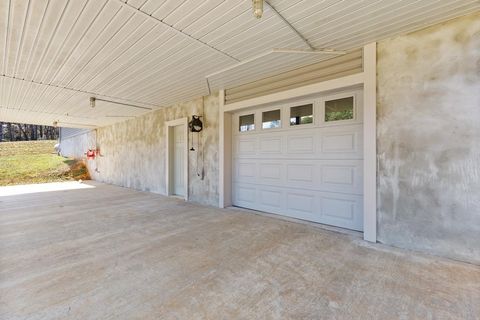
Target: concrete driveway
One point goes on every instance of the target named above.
(113, 253)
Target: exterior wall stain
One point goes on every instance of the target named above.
(428, 132)
(133, 152)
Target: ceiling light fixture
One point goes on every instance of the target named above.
(257, 8)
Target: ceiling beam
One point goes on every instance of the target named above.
(121, 103)
(98, 96)
(53, 115)
(290, 26)
(177, 31)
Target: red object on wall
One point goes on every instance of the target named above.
(90, 154)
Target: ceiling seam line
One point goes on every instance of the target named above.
(154, 82)
(76, 90)
(47, 113)
(67, 58)
(33, 48)
(291, 26)
(7, 33)
(19, 49)
(78, 41)
(88, 48)
(104, 67)
(78, 73)
(95, 41)
(405, 21)
(61, 47)
(121, 70)
(52, 36)
(22, 37)
(130, 7)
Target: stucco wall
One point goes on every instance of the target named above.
(429, 140)
(133, 153)
(428, 130)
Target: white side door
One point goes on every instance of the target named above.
(178, 161)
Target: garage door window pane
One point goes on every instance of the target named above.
(271, 119)
(247, 122)
(301, 115)
(339, 109)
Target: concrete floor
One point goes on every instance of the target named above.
(113, 253)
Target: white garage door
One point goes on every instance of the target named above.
(302, 159)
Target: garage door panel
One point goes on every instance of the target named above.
(246, 146)
(302, 175)
(333, 142)
(271, 146)
(300, 144)
(302, 203)
(338, 175)
(271, 199)
(343, 210)
(342, 143)
(337, 209)
(247, 195)
(271, 173)
(247, 171)
(343, 176)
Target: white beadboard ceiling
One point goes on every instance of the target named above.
(56, 54)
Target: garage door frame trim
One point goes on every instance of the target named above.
(367, 79)
(169, 125)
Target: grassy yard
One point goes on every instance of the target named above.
(27, 162)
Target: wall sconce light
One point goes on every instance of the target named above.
(92, 102)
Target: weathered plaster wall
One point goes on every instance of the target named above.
(429, 140)
(428, 143)
(133, 153)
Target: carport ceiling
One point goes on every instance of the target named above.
(56, 54)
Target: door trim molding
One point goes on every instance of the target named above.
(366, 79)
(169, 125)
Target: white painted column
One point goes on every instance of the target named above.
(225, 155)
(370, 143)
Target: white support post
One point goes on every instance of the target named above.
(370, 143)
(225, 154)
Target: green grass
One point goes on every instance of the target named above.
(28, 162)
(27, 148)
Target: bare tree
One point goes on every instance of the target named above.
(18, 131)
